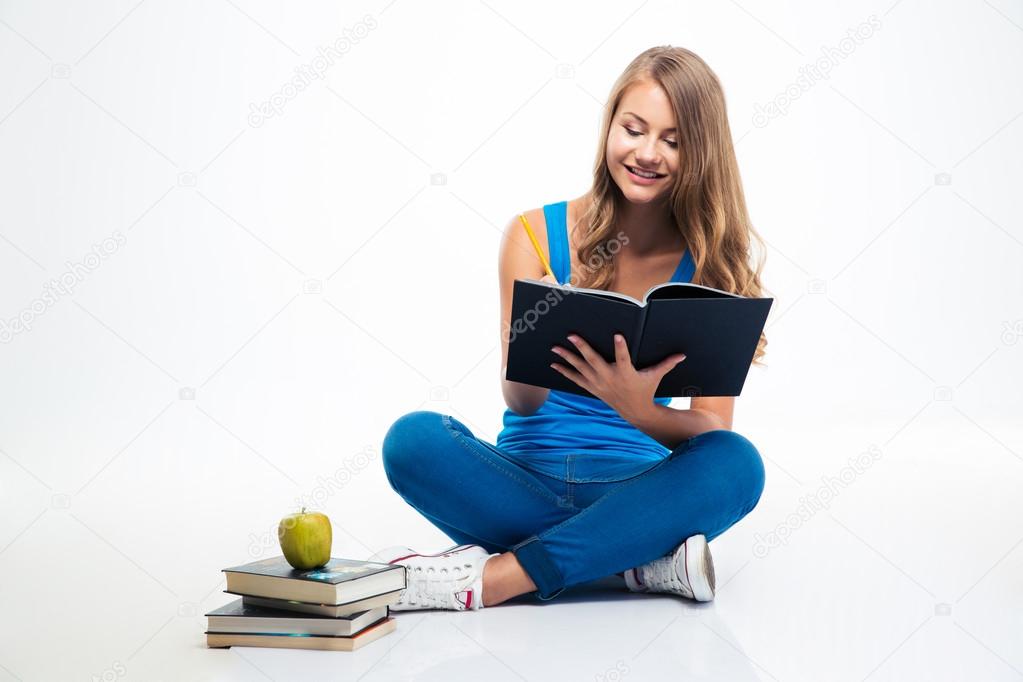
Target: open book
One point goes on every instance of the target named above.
(718, 331)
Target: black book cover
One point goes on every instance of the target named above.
(334, 571)
(392, 593)
(718, 331)
(240, 609)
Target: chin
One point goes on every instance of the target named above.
(643, 195)
(640, 194)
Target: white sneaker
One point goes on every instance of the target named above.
(688, 571)
(452, 579)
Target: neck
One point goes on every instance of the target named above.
(649, 226)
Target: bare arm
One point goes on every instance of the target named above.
(672, 427)
(723, 407)
(518, 260)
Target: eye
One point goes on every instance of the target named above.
(634, 133)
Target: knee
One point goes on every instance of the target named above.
(744, 467)
(407, 440)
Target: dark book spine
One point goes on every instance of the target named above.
(637, 335)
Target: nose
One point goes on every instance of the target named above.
(646, 153)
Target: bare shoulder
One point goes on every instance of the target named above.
(517, 252)
(537, 222)
(518, 257)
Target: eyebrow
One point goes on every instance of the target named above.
(669, 130)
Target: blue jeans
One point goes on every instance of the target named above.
(565, 533)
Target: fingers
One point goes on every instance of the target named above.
(575, 361)
(622, 352)
(668, 364)
(592, 356)
(575, 376)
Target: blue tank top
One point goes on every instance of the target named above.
(572, 437)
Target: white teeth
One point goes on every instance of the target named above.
(642, 173)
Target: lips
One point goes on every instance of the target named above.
(644, 174)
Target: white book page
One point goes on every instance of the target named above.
(626, 297)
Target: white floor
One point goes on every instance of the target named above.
(911, 572)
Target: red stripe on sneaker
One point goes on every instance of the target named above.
(446, 552)
(468, 599)
(402, 557)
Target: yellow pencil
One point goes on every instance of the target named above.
(536, 245)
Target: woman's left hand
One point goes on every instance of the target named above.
(630, 392)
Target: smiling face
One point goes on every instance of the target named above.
(642, 146)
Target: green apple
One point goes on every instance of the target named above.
(305, 539)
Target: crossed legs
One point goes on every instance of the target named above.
(476, 495)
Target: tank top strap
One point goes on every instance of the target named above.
(556, 216)
(686, 268)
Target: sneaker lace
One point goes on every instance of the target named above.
(431, 587)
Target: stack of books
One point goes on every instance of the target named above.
(340, 606)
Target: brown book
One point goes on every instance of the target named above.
(322, 642)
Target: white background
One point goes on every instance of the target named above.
(285, 291)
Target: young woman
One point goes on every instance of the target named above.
(579, 488)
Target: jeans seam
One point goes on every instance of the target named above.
(624, 484)
(569, 484)
(619, 480)
(535, 545)
(570, 495)
(460, 438)
(650, 468)
(674, 452)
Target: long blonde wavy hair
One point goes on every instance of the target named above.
(707, 201)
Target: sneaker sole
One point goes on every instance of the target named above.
(699, 567)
